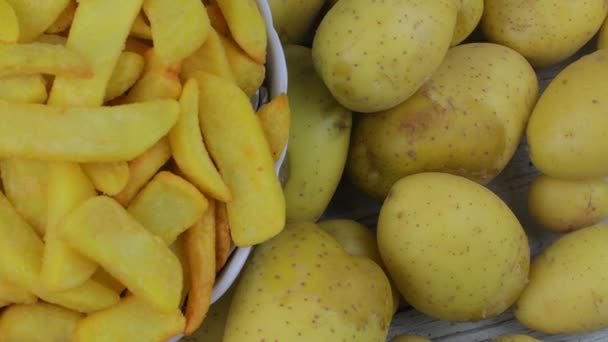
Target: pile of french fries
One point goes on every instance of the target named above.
(132, 162)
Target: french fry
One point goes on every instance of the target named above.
(25, 184)
(167, 206)
(32, 23)
(136, 45)
(217, 20)
(105, 279)
(210, 57)
(189, 151)
(38, 322)
(127, 71)
(200, 250)
(140, 28)
(143, 168)
(52, 39)
(89, 297)
(247, 26)
(246, 164)
(64, 20)
(223, 241)
(174, 42)
(275, 118)
(83, 134)
(114, 19)
(41, 58)
(9, 30)
(178, 248)
(248, 74)
(153, 63)
(109, 178)
(126, 250)
(11, 293)
(132, 319)
(153, 86)
(62, 267)
(4, 303)
(23, 89)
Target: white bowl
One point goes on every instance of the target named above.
(276, 81)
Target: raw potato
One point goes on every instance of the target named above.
(318, 139)
(293, 19)
(42, 58)
(516, 338)
(546, 32)
(287, 292)
(568, 127)
(568, 285)
(469, 16)
(482, 92)
(453, 248)
(214, 324)
(410, 338)
(9, 32)
(566, 205)
(40, 322)
(602, 39)
(356, 53)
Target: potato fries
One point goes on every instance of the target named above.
(80, 134)
(23, 89)
(200, 252)
(247, 73)
(211, 57)
(9, 31)
(109, 178)
(247, 26)
(138, 259)
(40, 322)
(42, 58)
(217, 20)
(127, 71)
(64, 20)
(274, 118)
(131, 320)
(141, 29)
(11, 293)
(33, 23)
(167, 206)
(223, 241)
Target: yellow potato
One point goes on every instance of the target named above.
(211, 57)
(113, 18)
(32, 23)
(567, 129)
(43, 58)
(247, 26)
(568, 285)
(23, 89)
(143, 168)
(246, 164)
(516, 338)
(294, 19)
(63, 22)
(83, 134)
(199, 243)
(141, 29)
(62, 267)
(602, 39)
(25, 184)
(176, 42)
(275, 118)
(109, 178)
(167, 206)
(104, 278)
(188, 147)
(127, 71)
(130, 320)
(469, 16)
(40, 322)
(9, 31)
(248, 74)
(126, 250)
(11, 293)
(223, 240)
(410, 338)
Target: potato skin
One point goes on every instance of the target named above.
(481, 92)
(544, 31)
(469, 16)
(372, 55)
(452, 247)
(564, 205)
(602, 39)
(568, 288)
(568, 127)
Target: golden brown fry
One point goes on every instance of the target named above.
(40, 322)
(138, 259)
(247, 26)
(23, 89)
(246, 164)
(217, 20)
(109, 178)
(12, 293)
(64, 20)
(25, 184)
(41, 58)
(200, 250)
(174, 42)
(143, 168)
(275, 118)
(32, 23)
(9, 30)
(141, 29)
(167, 206)
(248, 74)
(223, 241)
(154, 86)
(210, 57)
(127, 71)
(130, 320)
(189, 151)
(83, 134)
